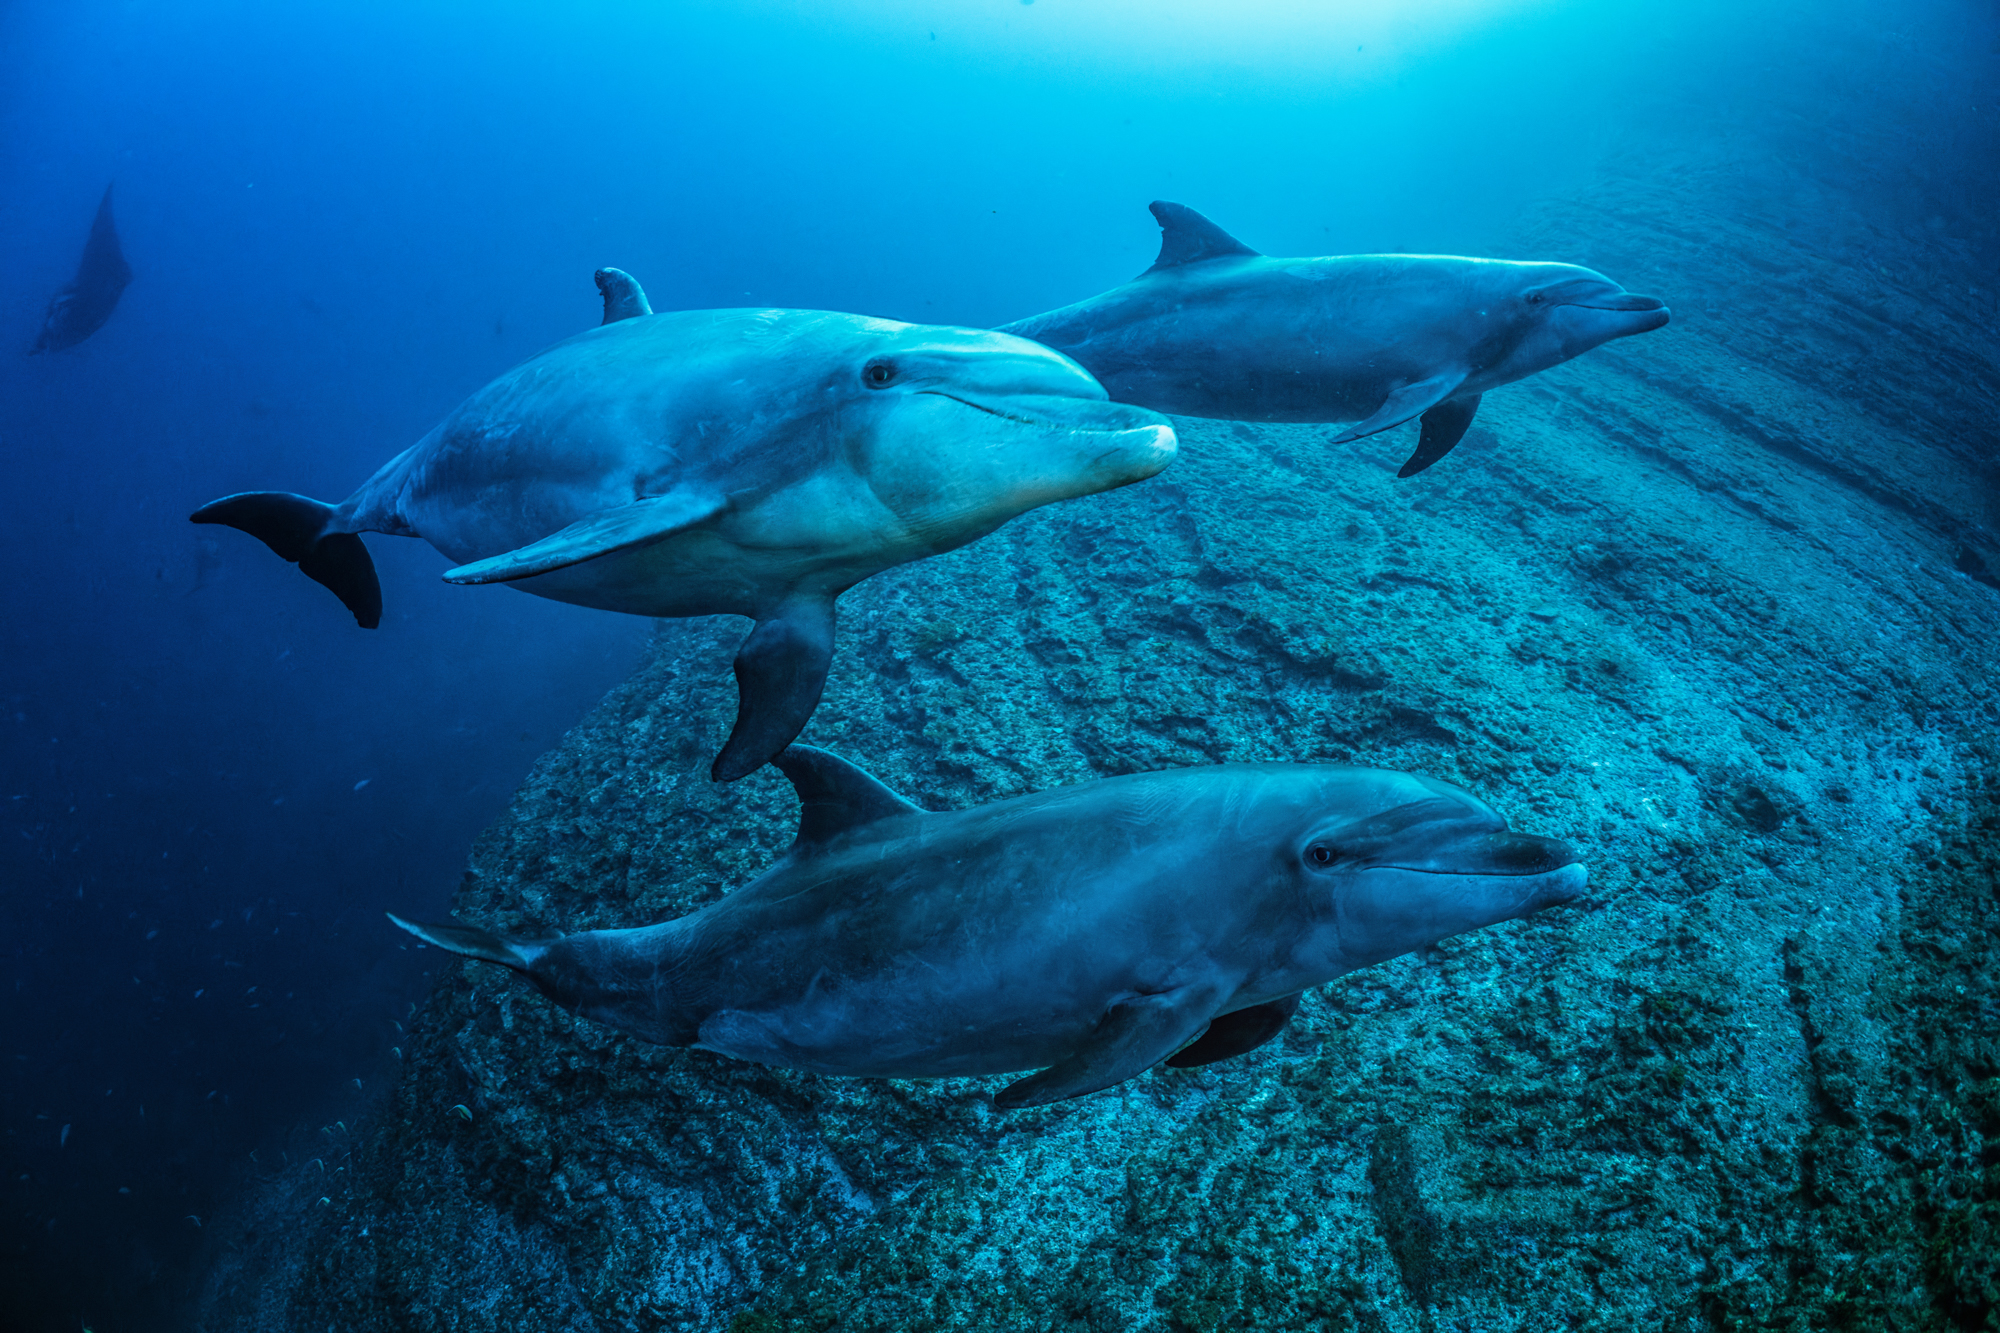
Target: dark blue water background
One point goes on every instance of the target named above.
(345, 217)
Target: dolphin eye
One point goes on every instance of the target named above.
(878, 373)
(1534, 298)
(1319, 854)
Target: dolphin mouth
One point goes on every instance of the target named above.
(1658, 317)
(1531, 890)
(1058, 412)
(1551, 888)
(982, 407)
(1503, 855)
(1627, 301)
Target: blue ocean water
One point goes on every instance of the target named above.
(343, 218)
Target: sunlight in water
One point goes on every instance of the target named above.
(1361, 40)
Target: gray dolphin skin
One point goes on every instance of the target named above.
(1089, 932)
(1214, 329)
(749, 462)
(80, 309)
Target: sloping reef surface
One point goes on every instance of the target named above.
(1720, 605)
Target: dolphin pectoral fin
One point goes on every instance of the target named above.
(640, 523)
(780, 673)
(624, 298)
(473, 942)
(1444, 427)
(835, 796)
(1237, 1034)
(1412, 400)
(295, 527)
(1132, 1038)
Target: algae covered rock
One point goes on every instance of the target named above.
(1711, 612)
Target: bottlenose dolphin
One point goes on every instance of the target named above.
(80, 309)
(1214, 329)
(750, 462)
(1091, 932)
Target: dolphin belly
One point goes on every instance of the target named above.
(1224, 349)
(944, 1045)
(1225, 390)
(970, 1004)
(708, 570)
(694, 575)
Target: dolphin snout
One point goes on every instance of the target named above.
(1647, 312)
(1532, 872)
(1655, 317)
(1504, 853)
(1560, 886)
(1620, 301)
(1058, 412)
(1549, 865)
(1521, 854)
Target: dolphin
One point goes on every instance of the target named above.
(1214, 329)
(1088, 932)
(750, 462)
(80, 309)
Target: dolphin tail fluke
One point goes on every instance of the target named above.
(473, 942)
(296, 528)
(1444, 427)
(780, 673)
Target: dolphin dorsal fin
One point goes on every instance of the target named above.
(1186, 237)
(624, 298)
(835, 795)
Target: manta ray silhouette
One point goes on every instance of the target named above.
(80, 309)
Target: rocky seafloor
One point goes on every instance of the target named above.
(1719, 605)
